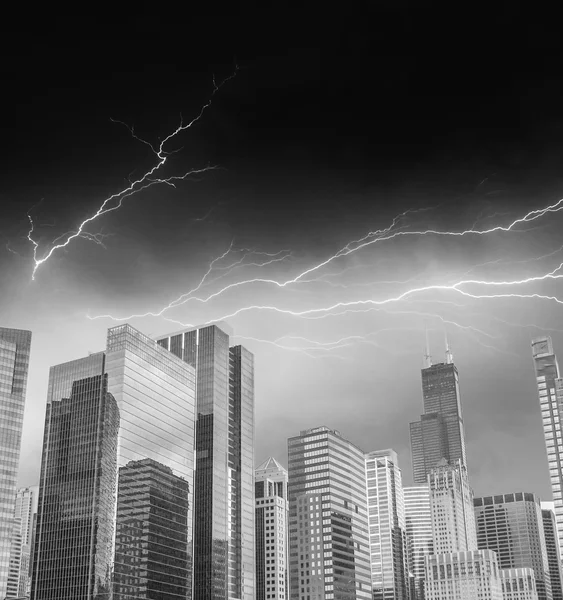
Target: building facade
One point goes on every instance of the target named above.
(224, 552)
(418, 522)
(272, 542)
(550, 392)
(518, 584)
(470, 575)
(451, 505)
(512, 526)
(440, 431)
(119, 428)
(552, 548)
(329, 554)
(15, 346)
(19, 581)
(387, 528)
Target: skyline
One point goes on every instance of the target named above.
(317, 142)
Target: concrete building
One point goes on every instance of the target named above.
(552, 547)
(328, 523)
(518, 584)
(418, 521)
(272, 542)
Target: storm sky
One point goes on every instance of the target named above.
(333, 125)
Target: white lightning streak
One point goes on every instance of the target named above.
(135, 186)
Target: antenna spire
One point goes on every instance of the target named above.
(449, 355)
(427, 357)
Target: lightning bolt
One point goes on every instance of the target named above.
(148, 179)
(373, 237)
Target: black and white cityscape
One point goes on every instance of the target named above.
(281, 302)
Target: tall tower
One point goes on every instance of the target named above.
(386, 519)
(328, 523)
(439, 433)
(550, 391)
(119, 437)
(552, 548)
(418, 520)
(451, 502)
(25, 513)
(224, 471)
(15, 345)
(457, 569)
(272, 542)
(512, 526)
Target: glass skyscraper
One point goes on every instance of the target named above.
(224, 470)
(387, 530)
(439, 433)
(512, 526)
(329, 554)
(117, 451)
(550, 391)
(272, 576)
(15, 345)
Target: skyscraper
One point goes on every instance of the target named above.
(552, 548)
(328, 524)
(418, 520)
(512, 526)
(128, 409)
(439, 433)
(550, 391)
(451, 503)
(518, 584)
(15, 345)
(457, 569)
(19, 583)
(224, 471)
(387, 533)
(272, 546)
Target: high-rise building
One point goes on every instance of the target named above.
(19, 581)
(439, 433)
(387, 529)
(224, 472)
(119, 435)
(550, 391)
(518, 584)
(151, 532)
(15, 345)
(272, 542)
(467, 575)
(418, 520)
(328, 523)
(451, 503)
(552, 548)
(457, 569)
(512, 526)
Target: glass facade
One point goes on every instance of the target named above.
(118, 444)
(271, 531)
(329, 554)
(512, 526)
(15, 345)
(418, 520)
(439, 434)
(553, 554)
(550, 392)
(224, 469)
(386, 518)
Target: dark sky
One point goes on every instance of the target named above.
(336, 121)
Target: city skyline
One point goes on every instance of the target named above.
(305, 143)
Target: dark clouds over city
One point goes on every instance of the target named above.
(333, 125)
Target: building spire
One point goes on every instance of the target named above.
(449, 355)
(427, 357)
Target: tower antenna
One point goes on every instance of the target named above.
(449, 356)
(427, 357)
